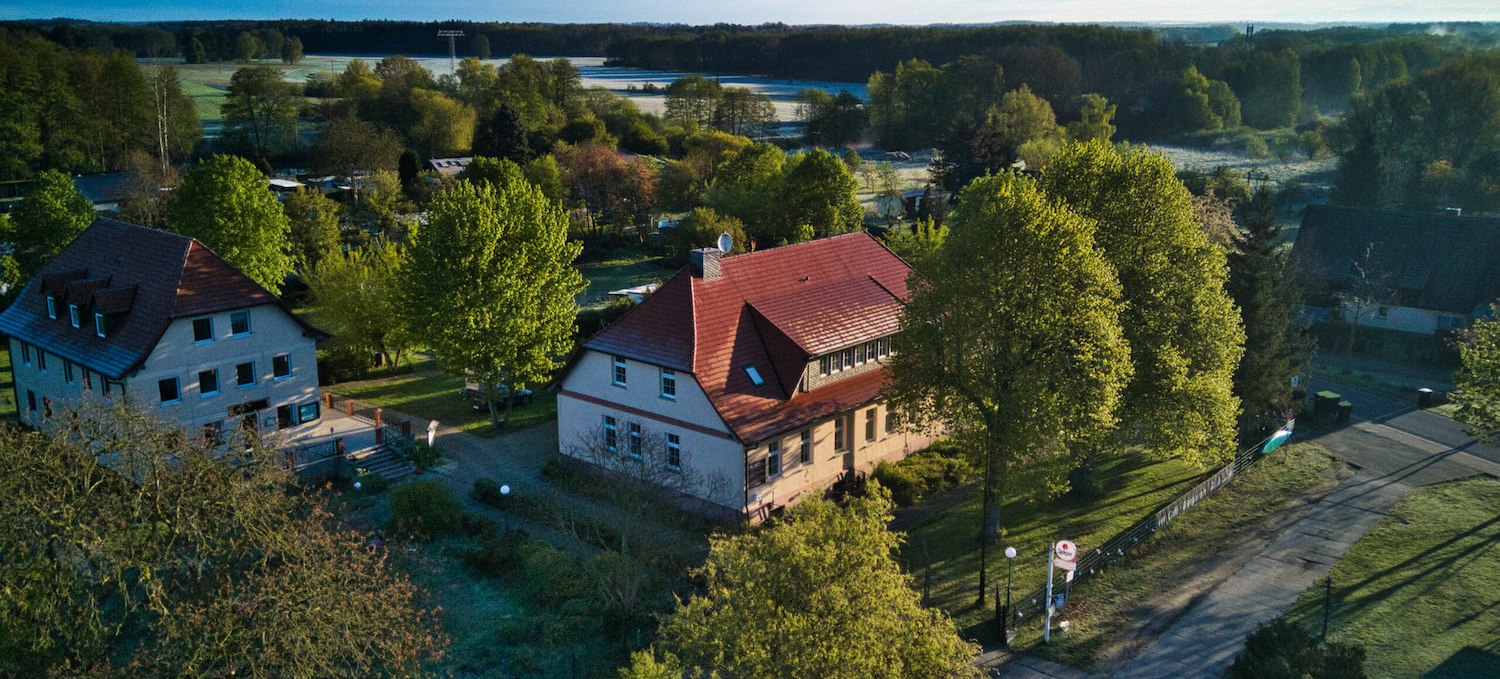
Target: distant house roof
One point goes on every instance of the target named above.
(141, 279)
(1432, 261)
(775, 310)
(449, 167)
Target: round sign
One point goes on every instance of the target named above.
(1065, 550)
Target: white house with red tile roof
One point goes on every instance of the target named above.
(161, 320)
(761, 371)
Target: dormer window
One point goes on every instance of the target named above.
(51, 307)
(203, 330)
(755, 377)
(99, 325)
(73, 315)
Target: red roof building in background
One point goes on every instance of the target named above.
(763, 370)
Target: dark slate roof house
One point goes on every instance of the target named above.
(1431, 261)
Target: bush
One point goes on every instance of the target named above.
(940, 467)
(370, 482)
(487, 491)
(495, 552)
(426, 509)
(425, 457)
(552, 573)
(556, 470)
(1282, 650)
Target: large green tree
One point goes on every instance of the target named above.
(174, 556)
(819, 594)
(1478, 378)
(1183, 328)
(226, 203)
(314, 220)
(357, 296)
(818, 198)
(490, 284)
(50, 216)
(260, 111)
(350, 145)
(1012, 339)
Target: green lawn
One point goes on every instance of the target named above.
(1130, 485)
(625, 268)
(432, 395)
(1420, 590)
(1190, 545)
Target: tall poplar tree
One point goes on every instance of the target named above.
(1264, 285)
(1012, 339)
(490, 284)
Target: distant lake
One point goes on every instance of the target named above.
(783, 93)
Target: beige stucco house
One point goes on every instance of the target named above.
(760, 373)
(162, 321)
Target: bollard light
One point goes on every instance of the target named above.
(505, 490)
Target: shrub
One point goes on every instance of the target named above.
(1282, 650)
(425, 457)
(426, 508)
(552, 573)
(486, 491)
(371, 482)
(556, 470)
(495, 552)
(940, 467)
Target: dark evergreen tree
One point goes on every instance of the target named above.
(1262, 282)
(481, 46)
(503, 136)
(1361, 174)
(407, 168)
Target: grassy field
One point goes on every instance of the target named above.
(626, 268)
(1130, 486)
(1122, 596)
(430, 394)
(1419, 591)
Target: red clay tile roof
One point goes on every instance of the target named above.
(141, 278)
(775, 309)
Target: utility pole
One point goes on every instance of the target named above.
(452, 50)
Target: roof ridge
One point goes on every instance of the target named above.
(790, 246)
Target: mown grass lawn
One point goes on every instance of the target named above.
(1421, 591)
(1130, 486)
(625, 268)
(430, 394)
(1192, 544)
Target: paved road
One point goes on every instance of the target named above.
(1396, 448)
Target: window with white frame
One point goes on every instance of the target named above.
(41, 359)
(890, 422)
(99, 328)
(669, 384)
(805, 448)
(73, 315)
(674, 453)
(619, 374)
(773, 459)
(51, 307)
(869, 425)
(634, 429)
(611, 435)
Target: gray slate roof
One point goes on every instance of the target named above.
(1434, 261)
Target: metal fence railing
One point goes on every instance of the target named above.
(1034, 603)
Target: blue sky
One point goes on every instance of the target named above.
(758, 11)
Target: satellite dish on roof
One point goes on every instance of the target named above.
(726, 242)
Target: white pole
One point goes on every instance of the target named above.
(1047, 631)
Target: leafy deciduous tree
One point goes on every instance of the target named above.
(1478, 379)
(226, 203)
(490, 285)
(260, 110)
(817, 595)
(314, 220)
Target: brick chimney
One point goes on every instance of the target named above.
(705, 262)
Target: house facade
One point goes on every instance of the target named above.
(161, 321)
(760, 374)
(1412, 272)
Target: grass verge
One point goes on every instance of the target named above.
(430, 394)
(1419, 590)
(1141, 589)
(1129, 486)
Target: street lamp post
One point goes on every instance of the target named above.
(1010, 558)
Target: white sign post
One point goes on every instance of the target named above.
(1064, 555)
(432, 427)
